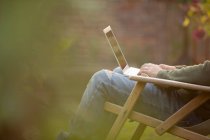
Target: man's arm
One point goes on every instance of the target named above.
(196, 74)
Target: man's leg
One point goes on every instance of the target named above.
(161, 103)
(92, 122)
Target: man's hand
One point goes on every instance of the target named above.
(167, 67)
(150, 69)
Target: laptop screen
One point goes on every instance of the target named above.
(115, 47)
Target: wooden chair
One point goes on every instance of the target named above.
(198, 132)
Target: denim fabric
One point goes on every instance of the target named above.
(92, 122)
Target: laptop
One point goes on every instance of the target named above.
(127, 70)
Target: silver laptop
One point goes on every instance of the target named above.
(129, 71)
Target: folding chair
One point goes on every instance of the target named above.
(197, 132)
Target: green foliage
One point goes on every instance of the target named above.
(32, 41)
(198, 16)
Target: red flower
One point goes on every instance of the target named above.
(195, 1)
(198, 33)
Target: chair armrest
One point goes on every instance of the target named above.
(186, 109)
(172, 83)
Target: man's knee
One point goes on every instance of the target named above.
(102, 76)
(118, 70)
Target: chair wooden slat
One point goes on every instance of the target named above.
(166, 126)
(153, 122)
(170, 83)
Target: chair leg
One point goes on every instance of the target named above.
(125, 111)
(138, 132)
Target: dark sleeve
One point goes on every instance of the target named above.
(196, 74)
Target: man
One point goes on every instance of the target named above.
(92, 122)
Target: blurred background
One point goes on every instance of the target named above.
(50, 48)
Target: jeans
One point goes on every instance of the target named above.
(92, 122)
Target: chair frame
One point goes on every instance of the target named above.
(161, 127)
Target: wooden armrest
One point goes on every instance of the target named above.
(170, 83)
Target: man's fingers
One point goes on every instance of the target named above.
(163, 66)
(144, 74)
(167, 67)
(145, 68)
(147, 65)
(145, 71)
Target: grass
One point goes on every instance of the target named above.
(149, 133)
